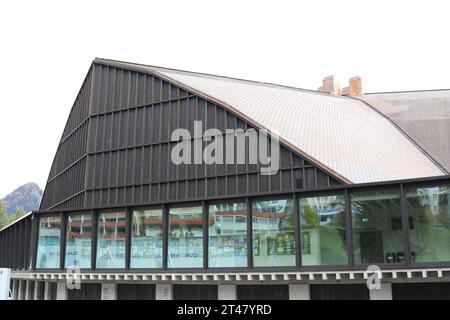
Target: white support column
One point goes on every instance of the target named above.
(384, 293)
(109, 291)
(299, 292)
(47, 289)
(36, 290)
(61, 291)
(164, 292)
(15, 289)
(20, 292)
(226, 292)
(27, 290)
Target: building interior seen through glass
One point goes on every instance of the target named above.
(48, 251)
(111, 240)
(228, 235)
(147, 239)
(323, 231)
(78, 241)
(185, 237)
(429, 223)
(273, 233)
(377, 227)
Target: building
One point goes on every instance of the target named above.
(361, 180)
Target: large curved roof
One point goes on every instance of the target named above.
(343, 134)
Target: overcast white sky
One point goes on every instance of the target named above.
(46, 48)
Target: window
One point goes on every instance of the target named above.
(185, 238)
(146, 239)
(377, 227)
(273, 243)
(323, 237)
(111, 240)
(49, 242)
(429, 223)
(228, 235)
(78, 241)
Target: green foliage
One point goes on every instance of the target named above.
(5, 219)
(311, 217)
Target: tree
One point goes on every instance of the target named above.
(4, 219)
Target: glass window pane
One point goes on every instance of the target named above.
(111, 240)
(429, 219)
(377, 227)
(48, 252)
(146, 239)
(273, 233)
(78, 241)
(323, 231)
(185, 238)
(228, 235)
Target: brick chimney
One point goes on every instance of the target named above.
(354, 87)
(330, 85)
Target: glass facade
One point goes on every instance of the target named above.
(147, 239)
(377, 227)
(323, 230)
(78, 241)
(273, 233)
(185, 237)
(376, 215)
(111, 240)
(228, 235)
(429, 223)
(49, 243)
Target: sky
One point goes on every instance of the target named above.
(46, 48)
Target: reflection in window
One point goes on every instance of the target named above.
(228, 235)
(323, 231)
(185, 238)
(111, 240)
(146, 239)
(78, 241)
(377, 227)
(429, 219)
(273, 233)
(48, 252)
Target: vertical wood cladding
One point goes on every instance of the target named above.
(16, 245)
(65, 184)
(120, 153)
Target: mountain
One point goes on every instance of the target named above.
(27, 197)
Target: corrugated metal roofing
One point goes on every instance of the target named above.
(423, 115)
(340, 133)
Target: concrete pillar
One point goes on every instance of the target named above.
(384, 293)
(227, 292)
(61, 291)
(20, 293)
(109, 291)
(15, 289)
(164, 292)
(36, 290)
(47, 290)
(27, 289)
(299, 292)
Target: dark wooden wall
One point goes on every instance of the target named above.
(116, 148)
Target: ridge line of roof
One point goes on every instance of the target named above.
(103, 60)
(407, 136)
(404, 91)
